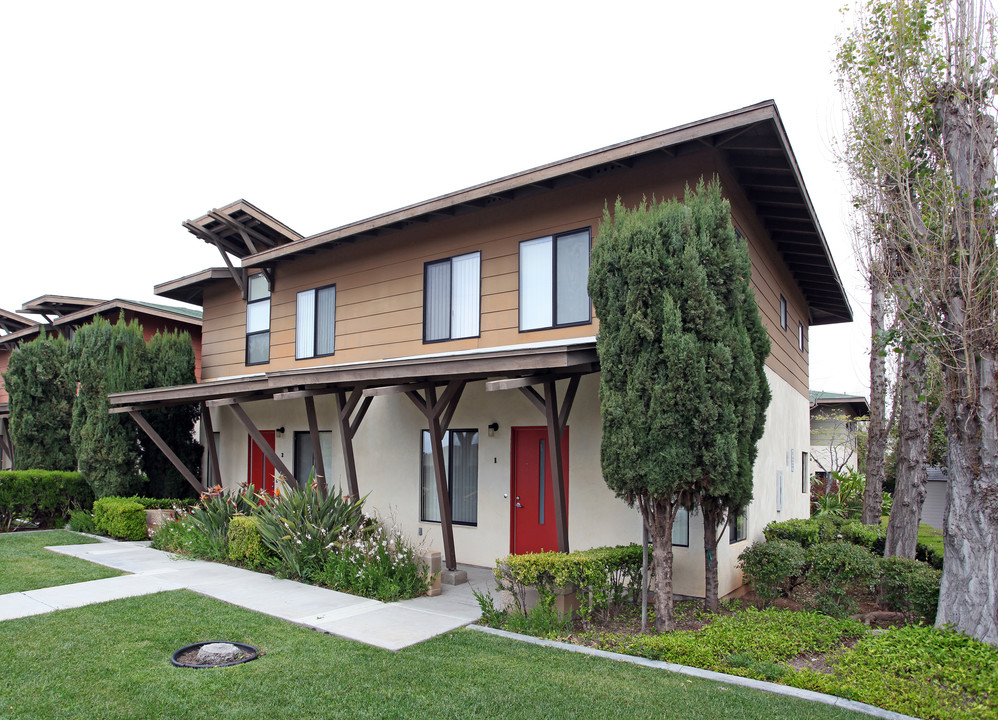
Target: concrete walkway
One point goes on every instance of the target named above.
(386, 625)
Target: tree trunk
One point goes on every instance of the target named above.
(711, 521)
(913, 448)
(876, 446)
(659, 516)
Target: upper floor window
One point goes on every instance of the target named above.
(258, 320)
(452, 290)
(783, 312)
(315, 322)
(800, 336)
(554, 274)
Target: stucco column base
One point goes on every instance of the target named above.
(453, 577)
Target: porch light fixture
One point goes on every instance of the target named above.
(493, 428)
(280, 430)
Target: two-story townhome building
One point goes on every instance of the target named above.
(440, 359)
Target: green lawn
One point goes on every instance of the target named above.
(25, 564)
(122, 648)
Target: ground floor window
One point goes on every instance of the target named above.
(461, 463)
(681, 528)
(304, 461)
(738, 528)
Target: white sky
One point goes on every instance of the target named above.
(119, 120)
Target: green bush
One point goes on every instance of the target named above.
(773, 568)
(210, 519)
(121, 518)
(40, 498)
(245, 545)
(909, 586)
(373, 561)
(833, 569)
(604, 577)
(81, 521)
(872, 537)
(804, 531)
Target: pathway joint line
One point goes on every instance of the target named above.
(775, 688)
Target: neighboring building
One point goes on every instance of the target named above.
(64, 314)
(9, 323)
(934, 505)
(457, 334)
(837, 422)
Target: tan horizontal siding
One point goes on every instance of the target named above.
(379, 282)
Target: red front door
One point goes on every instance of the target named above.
(532, 502)
(261, 471)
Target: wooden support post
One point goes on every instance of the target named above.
(263, 444)
(555, 430)
(344, 409)
(438, 413)
(170, 455)
(209, 433)
(317, 460)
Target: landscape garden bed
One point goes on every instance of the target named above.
(831, 617)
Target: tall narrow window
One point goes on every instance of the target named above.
(783, 312)
(305, 459)
(681, 528)
(452, 298)
(461, 465)
(779, 491)
(737, 528)
(554, 273)
(805, 486)
(315, 322)
(258, 320)
(800, 336)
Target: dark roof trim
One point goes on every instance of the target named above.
(58, 304)
(752, 141)
(12, 322)
(190, 288)
(578, 357)
(241, 229)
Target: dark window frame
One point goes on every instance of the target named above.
(805, 485)
(306, 435)
(687, 543)
(270, 293)
(450, 486)
(783, 312)
(738, 528)
(554, 283)
(450, 328)
(800, 336)
(315, 323)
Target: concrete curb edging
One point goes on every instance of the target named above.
(769, 687)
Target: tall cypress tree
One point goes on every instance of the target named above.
(171, 361)
(41, 391)
(669, 282)
(108, 358)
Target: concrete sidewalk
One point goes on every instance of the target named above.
(386, 625)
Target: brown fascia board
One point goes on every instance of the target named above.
(656, 141)
(254, 212)
(38, 305)
(189, 284)
(118, 304)
(15, 320)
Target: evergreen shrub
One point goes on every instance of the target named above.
(773, 568)
(909, 585)
(245, 544)
(40, 498)
(833, 569)
(120, 517)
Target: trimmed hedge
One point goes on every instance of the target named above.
(41, 497)
(909, 586)
(605, 576)
(120, 517)
(773, 568)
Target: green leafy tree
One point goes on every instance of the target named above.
(108, 358)
(41, 391)
(669, 282)
(171, 361)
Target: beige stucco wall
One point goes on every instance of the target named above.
(387, 452)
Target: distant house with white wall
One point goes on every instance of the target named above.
(397, 354)
(836, 425)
